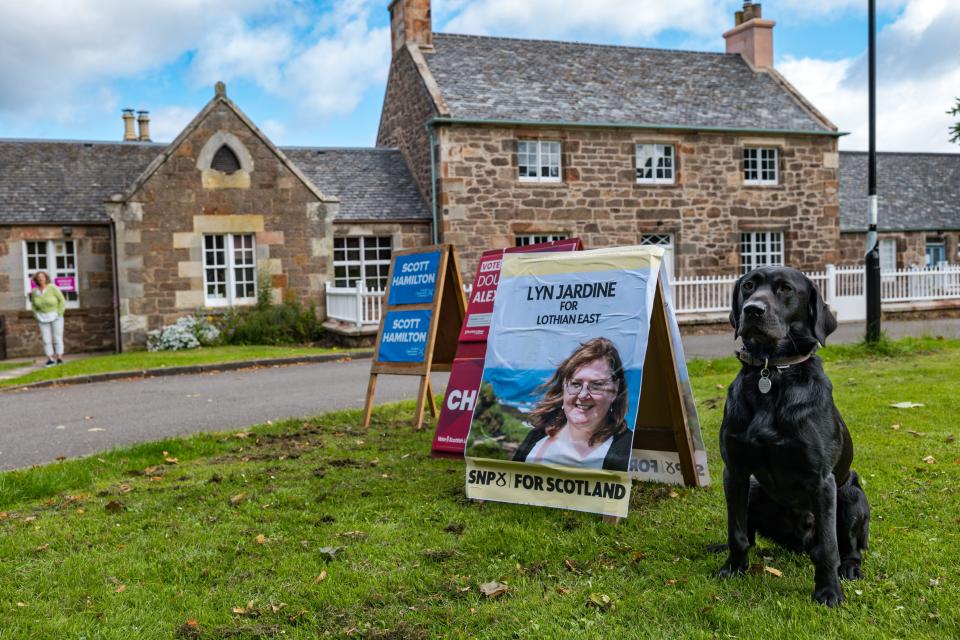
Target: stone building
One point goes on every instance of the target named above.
(140, 234)
(714, 155)
(918, 206)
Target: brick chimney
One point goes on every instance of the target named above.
(143, 123)
(410, 22)
(752, 37)
(129, 135)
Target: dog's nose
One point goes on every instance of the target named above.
(754, 309)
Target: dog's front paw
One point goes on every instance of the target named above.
(830, 595)
(734, 566)
(850, 571)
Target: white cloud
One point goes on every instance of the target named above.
(918, 79)
(835, 7)
(166, 123)
(578, 20)
(53, 52)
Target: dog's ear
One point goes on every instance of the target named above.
(822, 322)
(735, 308)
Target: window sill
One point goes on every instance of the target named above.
(656, 185)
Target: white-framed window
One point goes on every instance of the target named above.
(664, 240)
(59, 259)
(362, 258)
(229, 269)
(539, 160)
(760, 165)
(760, 249)
(537, 238)
(655, 163)
(888, 254)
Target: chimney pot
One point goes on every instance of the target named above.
(129, 135)
(410, 21)
(752, 36)
(143, 121)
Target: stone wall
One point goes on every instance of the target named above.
(160, 228)
(911, 247)
(87, 328)
(405, 235)
(484, 205)
(407, 106)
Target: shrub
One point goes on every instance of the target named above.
(188, 332)
(265, 324)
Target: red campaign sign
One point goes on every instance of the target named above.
(480, 308)
(463, 388)
(458, 404)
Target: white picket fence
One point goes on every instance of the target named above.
(843, 288)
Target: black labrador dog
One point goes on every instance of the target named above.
(786, 450)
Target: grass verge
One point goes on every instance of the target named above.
(143, 360)
(315, 528)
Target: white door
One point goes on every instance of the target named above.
(664, 240)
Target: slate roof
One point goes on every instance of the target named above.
(372, 184)
(58, 182)
(915, 191)
(489, 78)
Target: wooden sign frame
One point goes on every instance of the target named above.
(661, 415)
(448, 309)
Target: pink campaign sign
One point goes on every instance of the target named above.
(66, 284)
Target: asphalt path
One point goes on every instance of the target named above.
(40, 425)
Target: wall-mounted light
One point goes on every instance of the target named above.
(68, 231)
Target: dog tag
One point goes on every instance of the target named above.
(764, 384)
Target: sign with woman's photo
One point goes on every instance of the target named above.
(554, 421)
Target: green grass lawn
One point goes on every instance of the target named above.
(142, 360)
(6, 366)
(315, 528)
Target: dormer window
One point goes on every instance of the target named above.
(225, 160)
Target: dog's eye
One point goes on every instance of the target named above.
(748, 286)
(785, 288)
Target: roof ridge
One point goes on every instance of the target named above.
(117, 143)
(583, 44)
(905, 153)
(357, 149)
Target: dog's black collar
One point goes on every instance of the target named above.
(779, 363)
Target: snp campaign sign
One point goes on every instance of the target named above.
(553, 424)
(414, 278)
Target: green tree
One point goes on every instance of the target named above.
(955, 129)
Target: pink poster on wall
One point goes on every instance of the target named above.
(66, 283)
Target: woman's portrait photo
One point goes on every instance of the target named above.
(579, 419)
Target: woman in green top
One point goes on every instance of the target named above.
(48, 305)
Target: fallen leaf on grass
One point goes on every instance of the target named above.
(568, 563)
(674, 494)
(915, 434)
(600, 601)
(260, 539)
(670, 583)
(357, 535)
(277, 607)
(563, 590)
(950, 438)
(773, 572)
(114, 506)
(320, 578)
(930, 460)
(120, 588)
(237, 499)
(493, 589)
(905, 405)
(21, 604)
(169, 460)
(125, 488)
(42, 547)
(249, 611)
(935, 582)
(329, 553)
(895, 427)
(3, 515)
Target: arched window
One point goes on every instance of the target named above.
(225, 160)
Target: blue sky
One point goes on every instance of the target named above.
(313, 73)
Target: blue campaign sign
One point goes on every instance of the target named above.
(404, 336)
(414, 278)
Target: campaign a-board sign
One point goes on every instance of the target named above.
(420, 322)
(464, 383)
(576, 342)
